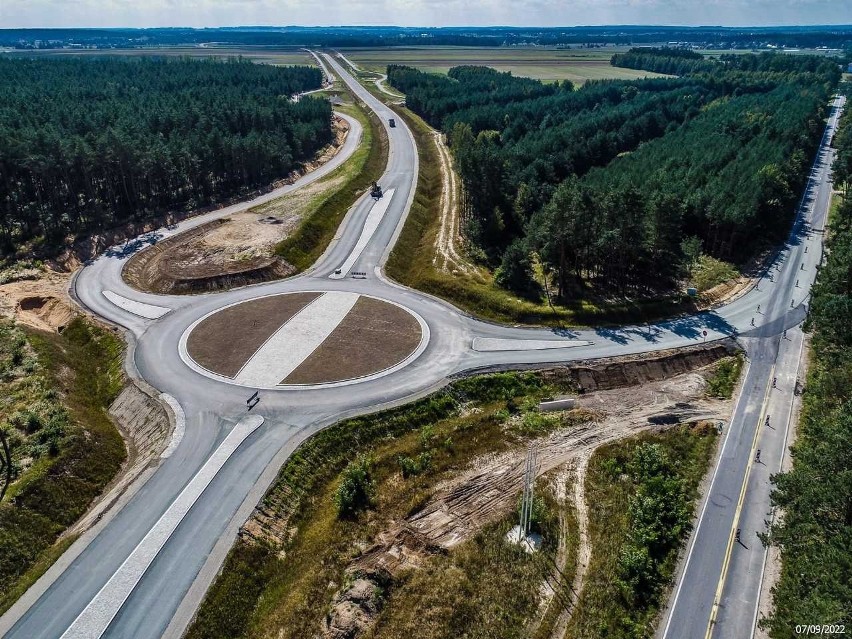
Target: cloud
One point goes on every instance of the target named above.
(201, 13)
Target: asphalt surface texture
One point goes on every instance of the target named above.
(170, 587)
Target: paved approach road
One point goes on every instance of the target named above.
(143, 570)
(718, 593)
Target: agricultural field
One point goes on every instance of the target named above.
(547, 64)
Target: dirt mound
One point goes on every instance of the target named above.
(48, 313)
(629, 370)
(182, 265)
(354, 609)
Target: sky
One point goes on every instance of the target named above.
(214, 13)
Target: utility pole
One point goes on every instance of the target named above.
(527, 498)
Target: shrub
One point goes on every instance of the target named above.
(357, 488)
(414, 466)
(725, 378)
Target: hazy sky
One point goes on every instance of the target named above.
(201, 13)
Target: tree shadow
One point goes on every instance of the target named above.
(565, 332)
(650, 333)
(793, 317)
(693, 326)
(123, 251)
(686, 326)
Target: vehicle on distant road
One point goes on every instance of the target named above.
(392, 123)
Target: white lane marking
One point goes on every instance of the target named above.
(374, 218)
(681, 578)
(180, 425)
(148, 311)
(96, 617)
(293, 343)
(496, 344)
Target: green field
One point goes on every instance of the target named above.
(548, 64)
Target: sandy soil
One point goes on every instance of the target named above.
(488, 490)
(447, 256)
(255, 232)
(236, 250)
(41, 303)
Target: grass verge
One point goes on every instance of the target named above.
(81, 370)
(486, 585)
(321, 220)
(646, 483)
(709, 272)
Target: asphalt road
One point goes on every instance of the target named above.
(166, 595)
(717, 595)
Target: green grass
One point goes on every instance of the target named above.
(605, 609)
(570, 529)
(833, 207)
(40, 566)
(543, 63)
(305, 571)
(487, 586)
(709, 272)
(724, 380)
(323, 217)
(82, 368)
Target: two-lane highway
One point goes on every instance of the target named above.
(717, 594)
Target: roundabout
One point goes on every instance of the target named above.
(309, 339)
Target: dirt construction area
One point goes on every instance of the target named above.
(304, 339)
(622, 398)
(37, 298)
(490, 487)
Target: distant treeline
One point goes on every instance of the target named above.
(683, 61)
(713, 161)
(90, 143)
(833, 36)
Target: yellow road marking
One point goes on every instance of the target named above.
(731, 537)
